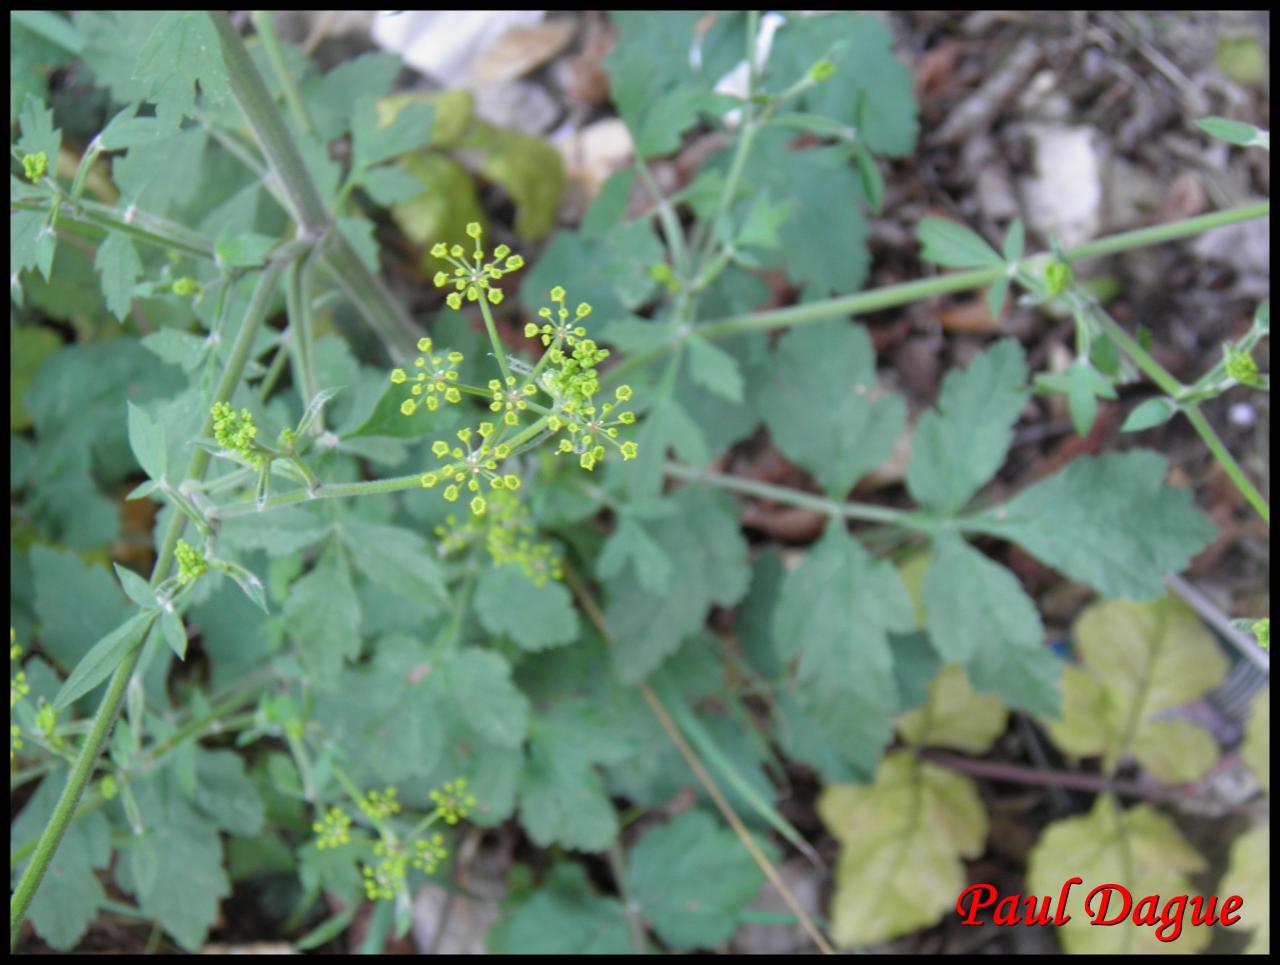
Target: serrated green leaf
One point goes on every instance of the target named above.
(331, 98)
(563, 917)
(871, 89)
(1140, 660)
(690, 878)
(181, 52)
(714, 369)
(375, 141)
(183, 349)
(835, 611)
(146, 438)
(708, 565)
(667, 426)
(1139, 848)
(388, 185)
(535, 617)
(396, 558)
(38, 132)
(977, 612)
(902, 841)
(952, 245)
(819, 406)
(960, 445)
(248, 250)
(322, 616)
(67, 631)
(629, 541)
(562, 797)
(118, 263)
(1108, 521)
(186, 847)
(478, 682)
(70, 895)
(226, 795)
(102, 659)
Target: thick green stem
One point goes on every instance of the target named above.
(105, 717)
(267, 124)
(362, 286)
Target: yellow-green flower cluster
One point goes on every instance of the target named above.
(507, 532)
(1242, 366)
(436, 378)
(469, 464)
(557, 327)
(35, 165)
(190, 562)
(428, 853)
(386, 879)
(453, 803)
(589, 428)
(236, 432)
(18, 686)
(333, 830)
(380, 805)
(185, 287)
(473, 278)
(510, 398)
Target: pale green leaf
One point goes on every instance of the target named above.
(322, 615)
(396, 558)
(818, 404)
(836, 611)
(182, 51)
(118, 263)
(960, 445)
(714, 369)
(102, 659)
(146, 438)
(977, 612)
(478, 683)
(535, 617)
(952, 245)
(708, 566)
(690, 878)
(563, 917)
(1108, 521)
(375, 141)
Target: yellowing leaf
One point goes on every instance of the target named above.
(954, 716)
(1249, 876)
(1139, 660)
(1175, 751)
(1256, 750)
(902, 840)
(1140, 849)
